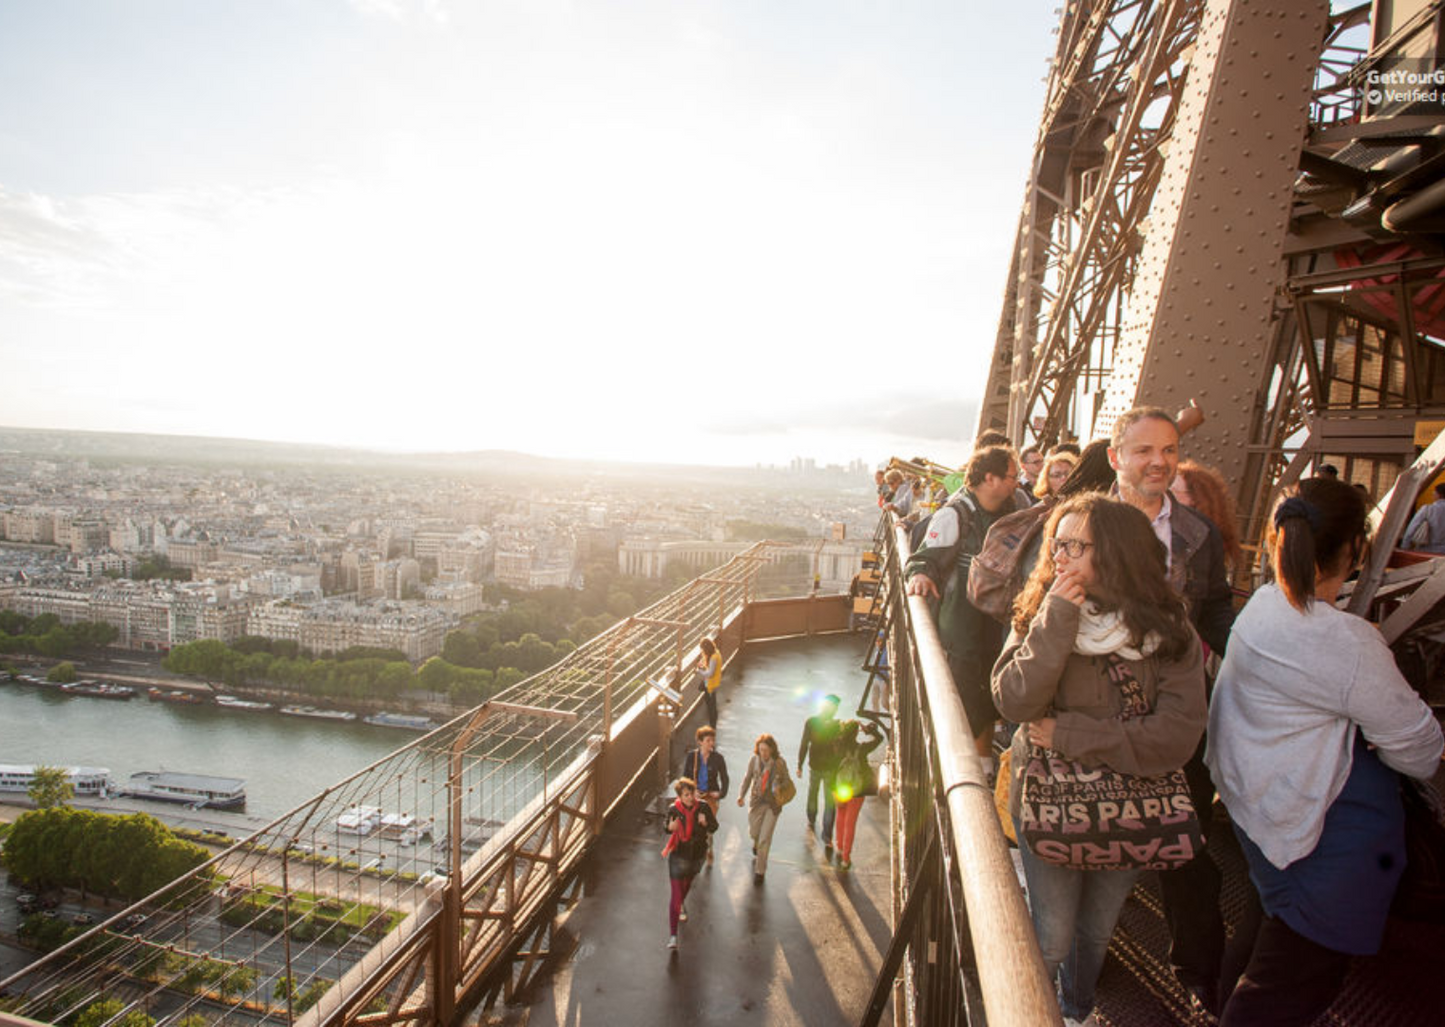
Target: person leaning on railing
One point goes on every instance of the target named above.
(938, 569)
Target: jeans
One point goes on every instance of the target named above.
(822, 779)
(1074, 913)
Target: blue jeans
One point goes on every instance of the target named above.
(1074, 913)
(823, 779)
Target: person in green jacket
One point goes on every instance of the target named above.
(938, 569)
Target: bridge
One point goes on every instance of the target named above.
(1219, 210)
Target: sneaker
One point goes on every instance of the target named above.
(672, 943)
(845, 864)
(682, 915)
(827, 850)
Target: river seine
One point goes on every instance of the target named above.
(283, 759)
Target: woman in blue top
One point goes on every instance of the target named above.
(1309, 727)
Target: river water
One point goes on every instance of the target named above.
(284, 760)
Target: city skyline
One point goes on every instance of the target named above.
(723, 235)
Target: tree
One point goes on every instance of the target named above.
(98, 1013)
(50, 786)
(125, 856)
(462, 648)
(62, 673)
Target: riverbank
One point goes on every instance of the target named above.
(439, 709)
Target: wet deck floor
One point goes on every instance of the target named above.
(802, 948)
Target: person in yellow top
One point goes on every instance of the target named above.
(709, 676)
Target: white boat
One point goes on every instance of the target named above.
(231, 702)
(92, 782)
(199, 790)
(317, 712)
(404, 827)
(360, 820)
(402, 720)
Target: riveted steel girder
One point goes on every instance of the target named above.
(1203, 301)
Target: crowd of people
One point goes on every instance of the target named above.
(1135, 693)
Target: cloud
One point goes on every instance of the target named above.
(50, 253)
(405, 10)
(942, 419)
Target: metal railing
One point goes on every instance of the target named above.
(964, 950)
(427, 882)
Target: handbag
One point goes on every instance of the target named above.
(1087, 817)
(784, 790)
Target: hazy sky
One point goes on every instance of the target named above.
(715, 232)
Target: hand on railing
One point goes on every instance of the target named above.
(922, 585)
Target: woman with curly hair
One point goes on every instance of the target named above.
(1203, 488)
(1097, 615)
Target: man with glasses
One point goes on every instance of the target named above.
(1031, 465)
(938, 569)
(1144, 452)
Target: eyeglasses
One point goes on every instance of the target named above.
(1074, 547)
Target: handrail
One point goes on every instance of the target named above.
(1014, 988)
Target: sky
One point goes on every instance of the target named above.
(696, 231)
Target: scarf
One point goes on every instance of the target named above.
(1101, 633)
(682, 831)
(765, 772)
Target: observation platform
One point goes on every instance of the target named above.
(541, 897)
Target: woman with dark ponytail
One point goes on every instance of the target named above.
(1310, 726)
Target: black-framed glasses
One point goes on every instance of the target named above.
(1073, 547)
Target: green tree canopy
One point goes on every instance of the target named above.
(62, 673)
(50, 786)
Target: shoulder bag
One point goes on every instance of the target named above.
(1094, 818)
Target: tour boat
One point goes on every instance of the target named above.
(193, 789)
(233, 703)
(402, 720)
(90, 782)
(317, 712)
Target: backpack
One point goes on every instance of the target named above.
(855, 775)
(1009, 551)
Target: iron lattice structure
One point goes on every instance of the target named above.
(427, 882)
(1224, 206)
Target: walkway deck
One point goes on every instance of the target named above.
(803, 948)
